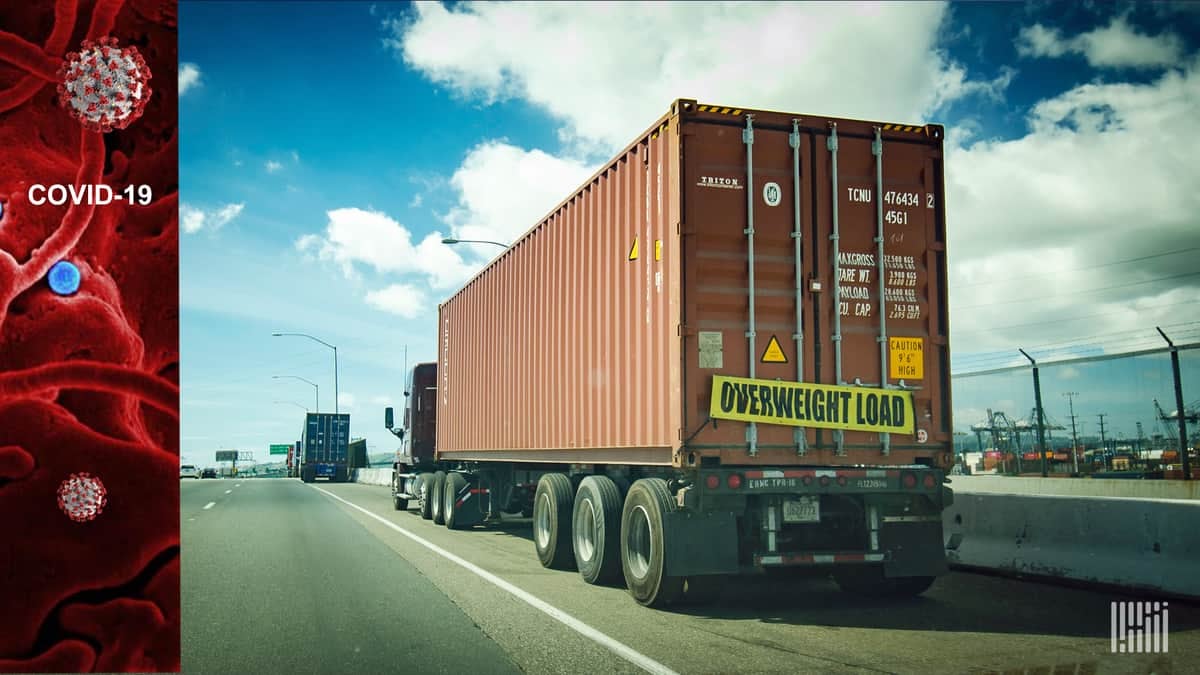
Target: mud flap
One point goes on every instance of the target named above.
(917, 549)
(700, 543)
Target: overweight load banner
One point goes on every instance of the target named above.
(811, 405)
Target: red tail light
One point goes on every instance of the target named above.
(713, 481)
(909, 480)
(734, 481)
(807, 480)
(929, 481)
(842, 481)
(824, 481)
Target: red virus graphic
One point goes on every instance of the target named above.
(89, 571)
(104, 87)
(82, 497)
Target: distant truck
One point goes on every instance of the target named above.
(726, 353)
(324, 445)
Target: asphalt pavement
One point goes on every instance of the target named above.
(279, 576)
(278, 580)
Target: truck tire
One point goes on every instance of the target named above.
(436, 507)
(643, 544)
(552, 505)
(871, 582)
(424, 503)
(306, 474)
(397, 503)
(455, 482)
(596, 530)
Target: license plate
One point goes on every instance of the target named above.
(802, 510)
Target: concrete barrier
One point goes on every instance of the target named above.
(1149, 545)
(1077, 487)
(373, 476)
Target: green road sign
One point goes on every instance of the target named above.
(280, 449)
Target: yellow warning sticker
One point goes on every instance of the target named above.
(906, 358)
(657, 249)
(774, 353)
(804, 404)
(633, 252)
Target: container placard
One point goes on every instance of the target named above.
(803, 404)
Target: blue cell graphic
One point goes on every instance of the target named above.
(64, 277)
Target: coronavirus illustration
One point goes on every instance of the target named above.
(104, 86)
(81, 497)
(89, 355)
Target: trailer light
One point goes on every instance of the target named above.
(929, 481)
(734, 481)
(807, 480)
(842, 481)
(909, 480)
(713, 481)
(824, 481)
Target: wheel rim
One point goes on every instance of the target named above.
(541, 526)
(585, 530)
(447, 499)
(638, 544)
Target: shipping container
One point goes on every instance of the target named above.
(725, 353)
(723, 242)
(325, 447)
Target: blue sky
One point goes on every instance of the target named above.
(327, 147)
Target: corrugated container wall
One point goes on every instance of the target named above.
(596, 337)
(326, 437)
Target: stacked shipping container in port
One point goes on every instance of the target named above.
(595, 337)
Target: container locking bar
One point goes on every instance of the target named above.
(832, 145)
(748, 139)
(881, 270)
(799, 436)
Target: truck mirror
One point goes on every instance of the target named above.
(388, 418)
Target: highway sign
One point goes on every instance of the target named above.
(280, 449)
(227, 455)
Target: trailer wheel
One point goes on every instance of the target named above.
(306, 474)
(643, 543)
(424, 502)
(455, 482)
(435, 498)
(870, 581)
(552, 504)
(596, 530)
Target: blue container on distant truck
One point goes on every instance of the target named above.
(325, 442)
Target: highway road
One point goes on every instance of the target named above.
(279, 576)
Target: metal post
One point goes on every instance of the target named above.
(877, 150)
(1103, 441)
(1041, 418)
(1074, 436)
(799, 435)
(832, 145)
(1179, 411)
(748, 139)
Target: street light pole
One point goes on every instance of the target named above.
(452, 240)
(291, 403)
(1041, 418)
(314, 384)
(335, 367)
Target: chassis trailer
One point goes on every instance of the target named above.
(726, 353)
(324, 447)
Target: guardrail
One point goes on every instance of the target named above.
(373, 476)
(1077, 487)
(1147, 544)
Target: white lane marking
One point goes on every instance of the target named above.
(636, 658)
(209, 505)
(237, 485)
(228, 491)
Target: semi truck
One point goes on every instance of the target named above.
(725, 353)
(324, 443)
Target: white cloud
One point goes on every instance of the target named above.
(608, 70)
(1116, 45)
(193, 219)
(345, 400)
(189, 77)
(504, 190)
(295, 157)
(1106, 173)
(272, 166)
(416, 201)
(403, 300)
(359, 237)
